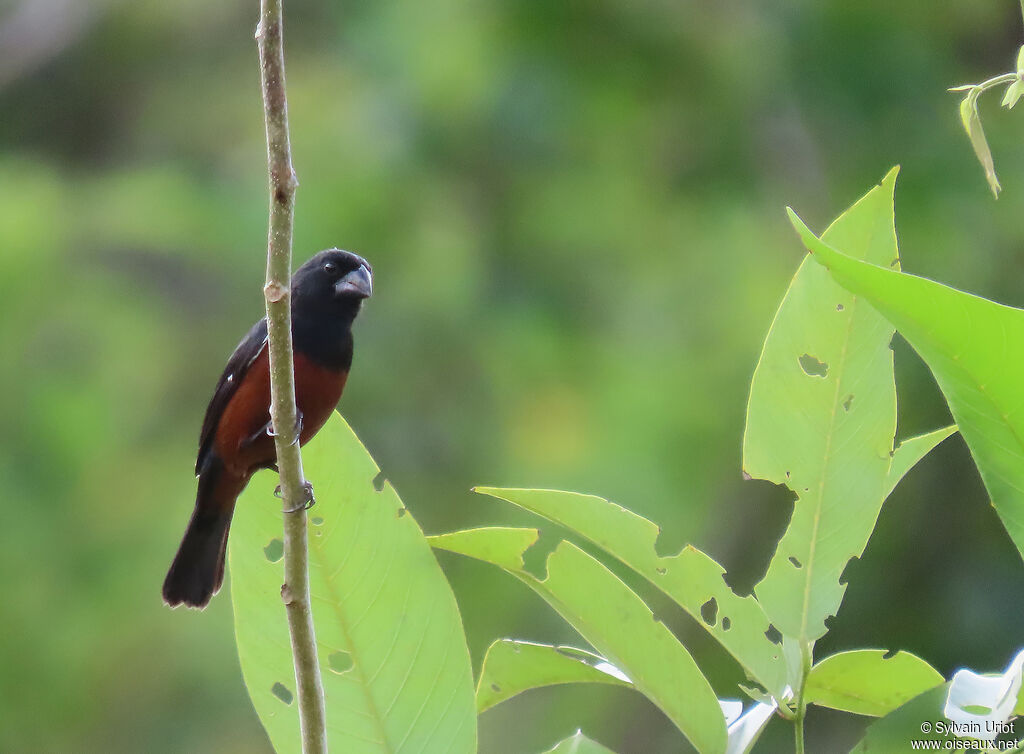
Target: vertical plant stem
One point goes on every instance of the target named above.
(806, 658)
(295, 591)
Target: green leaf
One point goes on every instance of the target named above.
(579, 744)
(919, 719)
(821, 420)
(973, 347)
(910, 451)
(395, 665)
(512, 667)
(691, 578)
(868, 682)
(971, 120)
(1013, 93)
(612, 618)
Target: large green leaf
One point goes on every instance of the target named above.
(610, 616)
(394, 660)
(973, 347)
(920, 719)
(691, 578)
(512, 667)
(821, 420)
(579, 744)
(869, 681)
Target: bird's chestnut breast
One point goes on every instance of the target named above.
(241, 440)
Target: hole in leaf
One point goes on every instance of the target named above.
(709, 611)
(339, 662)
(668, 545)
(317, 520)
(535, 557)
(660, 571)
(281, 692)
(839, 307)
(400, 512)
(726, 623)
(848, 402)
(889, 655)
(773, 634)
(812, 366)
(796, 563)
(495, 688)
(379, 481)
(274, 550)
(977, 709)
(844, 577)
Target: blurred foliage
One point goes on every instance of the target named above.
(574, 214)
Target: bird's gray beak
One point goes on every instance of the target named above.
(358, 283)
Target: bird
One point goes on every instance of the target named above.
(237, 436)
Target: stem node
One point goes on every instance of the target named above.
(274, 291)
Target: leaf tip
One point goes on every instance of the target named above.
(993, 183)
(806, 236)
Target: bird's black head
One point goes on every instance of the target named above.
(327, 292)
(332, 284)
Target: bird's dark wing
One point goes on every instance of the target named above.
(237, 367)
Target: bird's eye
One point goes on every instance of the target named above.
(330, 268)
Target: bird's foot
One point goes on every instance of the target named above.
(268, 429)
(307, 500)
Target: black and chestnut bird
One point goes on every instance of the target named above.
(237, 436)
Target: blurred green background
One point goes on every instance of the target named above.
(574, 213)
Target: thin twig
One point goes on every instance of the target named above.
(295, 591)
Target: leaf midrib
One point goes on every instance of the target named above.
(809, 568)
(360, 670)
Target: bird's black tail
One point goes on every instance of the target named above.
(198, 569)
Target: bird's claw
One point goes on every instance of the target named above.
(298, 429)
(307, 500)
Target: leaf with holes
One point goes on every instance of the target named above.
(821, 420)
(691, 578)
(610, 616)
(512, 667)
(395, 665)
(579, 744)
(973, 347)
(869, 681)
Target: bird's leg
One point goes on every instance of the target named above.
(308, 501)
(267, 430)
